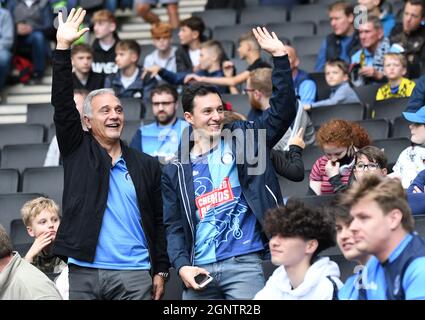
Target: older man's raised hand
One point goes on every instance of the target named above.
(69, 31)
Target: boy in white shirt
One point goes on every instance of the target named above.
(165, 54)
(298, 234)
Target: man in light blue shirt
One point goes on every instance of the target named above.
(343, 42)
(383, 227)
(162, 137)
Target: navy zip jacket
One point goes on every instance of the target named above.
(261, 191)
(86, 180)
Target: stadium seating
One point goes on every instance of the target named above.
(349, 112)
(240, 102)
(307, 44)
(232, 33)
(392, 148)
(229, 48)
(323, 28)
(24, 156)
(145, 50)
(268, 268)
(291, 30)
(130, 128)
(9, 180)
(21, 240)
(318, 201)
(261, 15)
(51, 132)
(41, 113)
(240, 65)
(10, 206)
(310, 155)
(323, 90)
(311, 12)
(420, 225)
(347, 268)
(46, 180)
(20, 133)
(377, 128)
(400, 128)
(217, 17)
(294, 189)
(308, 62)
(367, 93)
(389, 108)
(132, 108)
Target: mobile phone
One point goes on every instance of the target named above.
(203, 279)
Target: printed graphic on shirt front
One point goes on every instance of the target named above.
(226, 226)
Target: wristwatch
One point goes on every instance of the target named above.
(164, 275)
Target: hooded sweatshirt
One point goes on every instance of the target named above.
(316, 284)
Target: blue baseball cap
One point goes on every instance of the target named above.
(416, 117)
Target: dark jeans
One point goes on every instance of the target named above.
(5, 64)
(101, 284)
(39, 50)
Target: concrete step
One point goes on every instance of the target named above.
(13, 118)
(27, 89)
(29, 98)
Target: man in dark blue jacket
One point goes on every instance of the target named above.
(417, 99)
(112, 228)
(217, 190)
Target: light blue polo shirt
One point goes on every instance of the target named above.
(122, 244)
(413, 280)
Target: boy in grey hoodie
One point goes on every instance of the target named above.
(336, 73)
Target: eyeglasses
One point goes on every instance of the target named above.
(164, 103)
(370, 166)
(246, 90)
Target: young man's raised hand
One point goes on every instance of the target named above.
(68, 31)
(269, 42)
